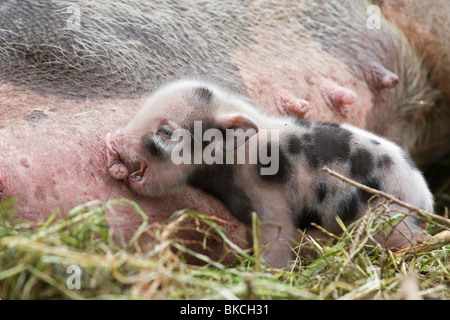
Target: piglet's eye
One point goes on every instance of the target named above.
(166, 131)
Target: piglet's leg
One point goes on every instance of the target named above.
(276, 241)
(117, 168)
(287, 103)
(402, 233)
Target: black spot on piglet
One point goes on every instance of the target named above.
(153, 148)
(304, 218)
(284, 167)
(217, 180)
(361, 163)
(330, 143)
(294, 144)
(203, 95)
(373, 183)
(321, 191)
(348, 208)
(384, 161)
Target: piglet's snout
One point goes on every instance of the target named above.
(118, 170)
(124, 156)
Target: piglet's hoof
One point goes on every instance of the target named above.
(116, 167)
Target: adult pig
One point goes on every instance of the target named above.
(72, 71)
(425, 24)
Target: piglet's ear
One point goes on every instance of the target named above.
(236, 129)
(236, 121)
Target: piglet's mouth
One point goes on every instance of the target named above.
(138, 172)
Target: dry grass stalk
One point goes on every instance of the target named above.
(388, 196)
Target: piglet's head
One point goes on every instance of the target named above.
(142, 157)
(167, 154)
(165, 143)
